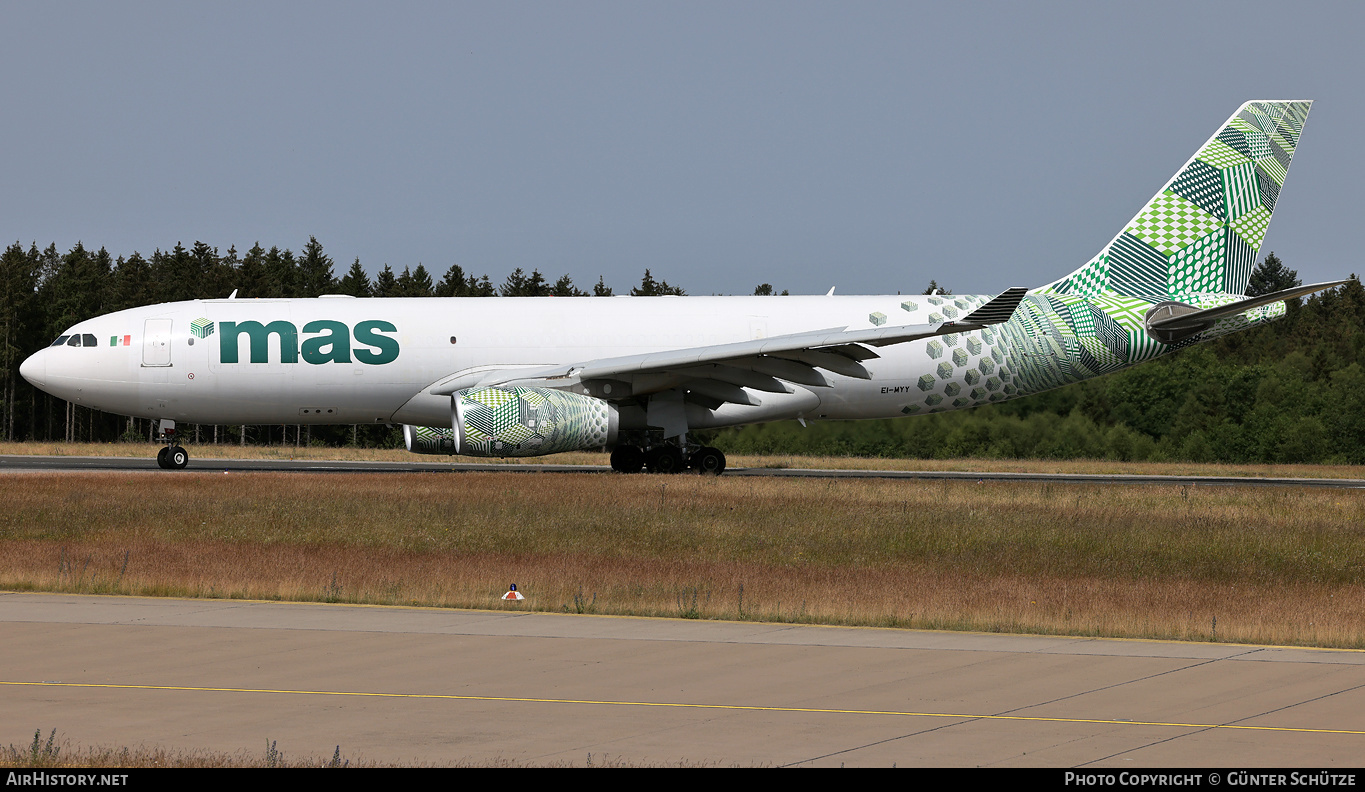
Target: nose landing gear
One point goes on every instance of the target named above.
(171, 456)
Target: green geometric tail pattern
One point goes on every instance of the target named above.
(1195, 242)
(1199, 235)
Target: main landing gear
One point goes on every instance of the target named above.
(171, 456)
(667, 458)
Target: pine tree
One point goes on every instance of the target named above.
(228, 267)
(457, 284)
(536, 285)
(481, 288)
(1270, 276)
(252, 278)
(314, 271)
(132, 283)
(77, 288)
(356, 283)
(281, 274)
(18, 278)
(174, 273)
(385, 284)
(564, 288)
(454, 284)
(651, 288)
(519, 284)
(99, 278)
(205, 271)
(421, 283)
(648, 286)
(515, 285)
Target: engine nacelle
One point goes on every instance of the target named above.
(517, 422)
(429, 439)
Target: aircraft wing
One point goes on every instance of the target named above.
(720, 372)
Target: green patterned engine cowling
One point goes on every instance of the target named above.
(516, 422)
(429, 439)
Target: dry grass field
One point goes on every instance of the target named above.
(1260, 565)
(52, 751)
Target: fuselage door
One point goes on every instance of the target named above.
(156, 342)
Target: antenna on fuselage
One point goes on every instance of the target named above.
(233, 296)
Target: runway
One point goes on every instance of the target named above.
(19, 463)
(442, 686)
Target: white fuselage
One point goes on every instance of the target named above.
(149, 362)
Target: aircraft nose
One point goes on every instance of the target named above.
(35, 368)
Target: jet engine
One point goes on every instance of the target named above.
(517, 422)
(429, 439)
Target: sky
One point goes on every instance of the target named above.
(865, 146)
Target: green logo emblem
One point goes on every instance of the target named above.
(201, 327)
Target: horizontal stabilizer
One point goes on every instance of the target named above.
(1169, 322)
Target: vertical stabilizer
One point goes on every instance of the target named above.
(1201, 234)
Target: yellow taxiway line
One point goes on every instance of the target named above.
(678, 705)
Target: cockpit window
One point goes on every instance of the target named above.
(77, 340)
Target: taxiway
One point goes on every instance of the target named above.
(442, 686)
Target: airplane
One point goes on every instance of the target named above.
(530, 376)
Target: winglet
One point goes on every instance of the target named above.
(998, 310)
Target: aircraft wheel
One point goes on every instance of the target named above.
(177, 458)
(708, 461)
(665, 460)
(627, 459)
(161, 458)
